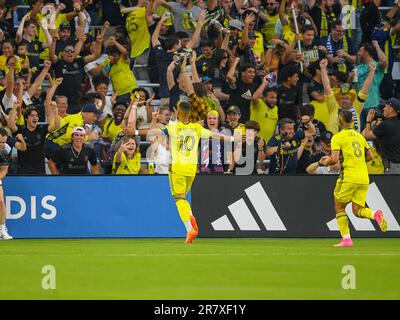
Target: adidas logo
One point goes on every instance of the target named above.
(243, 216)
(375, 200)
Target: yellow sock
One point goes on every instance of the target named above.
(343, 223)
(183, 209)
(365, 213)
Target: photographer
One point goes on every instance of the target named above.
(387, 133)
(286, 148)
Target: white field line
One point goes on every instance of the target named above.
(207, 255)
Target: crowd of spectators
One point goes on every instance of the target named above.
(79, 79)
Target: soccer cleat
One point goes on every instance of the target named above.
(347, 242)
(194, 224)
(380, 219)
(4, 234)
(191, 235)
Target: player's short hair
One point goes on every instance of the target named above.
(184, 107)
(347, 115)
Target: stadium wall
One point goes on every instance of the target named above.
(225, 206)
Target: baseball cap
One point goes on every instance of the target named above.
(79, 130)
(91, 107)
(64, 26)
(206, 79)
(326, 136)
(237, 24)
(394, 103)
(233, 109)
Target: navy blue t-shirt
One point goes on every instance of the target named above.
(285, 158)
(163, 59)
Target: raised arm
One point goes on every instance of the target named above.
(54, 83)
(282, 15)
(196, 35)
(52, 50)
(195, 75)
(245, 34)
(45, 27)
(324, 76)
(97, 52)
(186, 79)
(370, 78)
(170, 75)
(40, 78)
(259, 92)
(230, 76)
(156, 33)
(52, 117)
(382, 62)
(20, 30)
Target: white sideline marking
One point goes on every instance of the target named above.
(202, 254)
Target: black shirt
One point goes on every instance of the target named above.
(315, 86)
(73, 162)
(73, 74)
(251, 147)
(388, 134)
(288, 105)
(240, 95)
(285, 159)
(31, 161)
(164, 59)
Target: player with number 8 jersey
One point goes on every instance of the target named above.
(352, 150)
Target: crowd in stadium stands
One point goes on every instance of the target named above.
(80, 80)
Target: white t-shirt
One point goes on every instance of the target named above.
(9, 102)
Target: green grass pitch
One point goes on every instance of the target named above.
(208, 269)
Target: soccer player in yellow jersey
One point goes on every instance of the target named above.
(184, 138)
(351, 149)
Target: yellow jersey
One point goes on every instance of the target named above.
(266, 117)
(110, 129)
(288, 34)
(136, 26)
(62, 135)
(127, 165)
(352, 146)
(333, 107)
(240, 128)
(184, 141)
(268, 29)
(122, 77)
